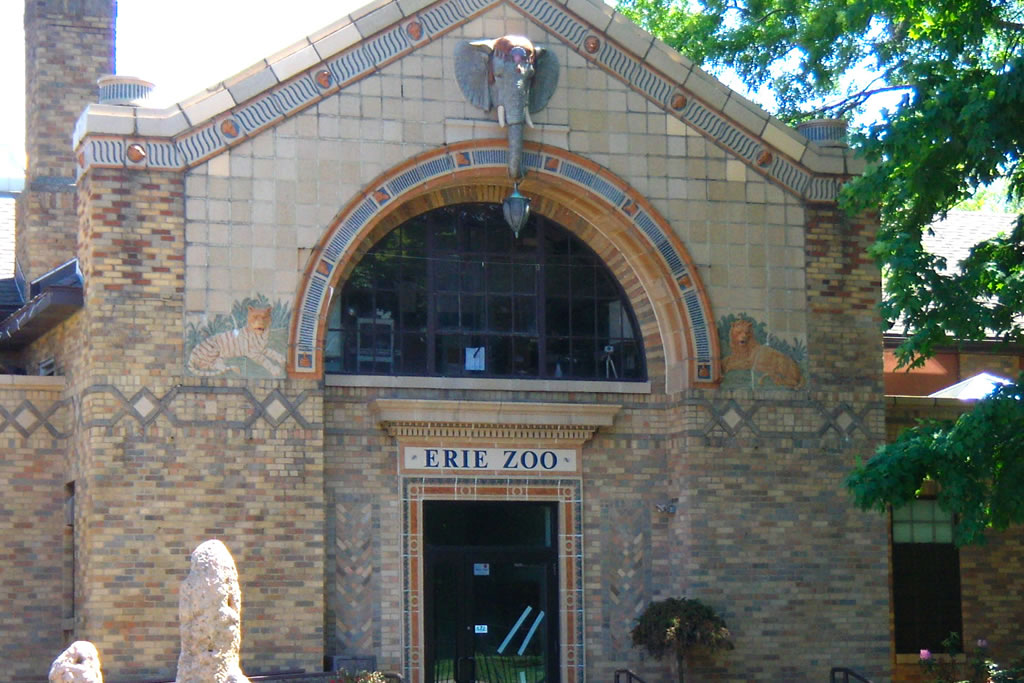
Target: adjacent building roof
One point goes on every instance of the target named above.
(955, 235)
(972, 388)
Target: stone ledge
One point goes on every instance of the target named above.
(488, 384)
(406, 411)
(52, 383)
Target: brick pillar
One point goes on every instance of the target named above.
(166, 462)
(68, 45)
(843, 290)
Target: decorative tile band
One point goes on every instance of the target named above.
(469, 158)
(337, 72)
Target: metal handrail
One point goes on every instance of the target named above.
(630, 676)
(840, 674)
(300, 675)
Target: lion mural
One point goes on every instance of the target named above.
(764, 362)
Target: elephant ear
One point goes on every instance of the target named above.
(545, 78)
(472, 71)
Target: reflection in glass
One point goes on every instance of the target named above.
(455, 279)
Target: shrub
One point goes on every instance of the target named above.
(680, 627)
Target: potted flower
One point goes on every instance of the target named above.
(680, 627)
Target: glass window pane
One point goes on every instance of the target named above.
(446, 275)
(525, 314)
(527, 357)
(558, 363)
(902, 513)
(474, 313)
(413, 305)
(923, 510)
(525, 278)
(583, 317)
(584, 358)
(582, 281)
(557, 280)
(457, 271)
(473, 276)
(501, 355)
(448, 355)
(500, 314)
(922, 532)
(412, 354)
(499, 277)
(557, 318)
(944, 533)
(901, 533)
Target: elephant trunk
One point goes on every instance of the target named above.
(515, 151)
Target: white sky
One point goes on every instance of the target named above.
(182, 46)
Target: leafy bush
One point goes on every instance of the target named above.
(680, 627)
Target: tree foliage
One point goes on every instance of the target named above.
(958, 127)
(680, 627)
(956, 68)
(976, 459)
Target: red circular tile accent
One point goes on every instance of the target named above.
(136, 153)
(414, 30)
(229, 128)
(592, 44)
(678, 101)
(323, 78)
(764, 158)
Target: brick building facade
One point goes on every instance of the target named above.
(198, 397)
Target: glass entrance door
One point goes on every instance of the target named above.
(492, 608)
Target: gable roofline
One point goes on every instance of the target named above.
(355, 47)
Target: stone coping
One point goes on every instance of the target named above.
(331, 59)
(488, 384)
(46, 383)
(591, 415)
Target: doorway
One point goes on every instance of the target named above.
(491, 592)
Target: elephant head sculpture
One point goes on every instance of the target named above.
(513, 75)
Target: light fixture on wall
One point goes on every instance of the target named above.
(668, 508)
(516, 208)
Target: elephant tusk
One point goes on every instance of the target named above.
(501, 115)
(529, 121)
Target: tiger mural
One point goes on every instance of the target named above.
(208, 357)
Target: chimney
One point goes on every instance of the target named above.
(69, 44)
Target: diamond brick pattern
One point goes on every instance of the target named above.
(355, 578)
(625, 569)
(145, 407)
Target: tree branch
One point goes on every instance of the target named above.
(846, 104)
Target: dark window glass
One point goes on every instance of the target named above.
(453, 293)
(926, 577)
(486, 523)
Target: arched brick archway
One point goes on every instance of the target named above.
(635, 242)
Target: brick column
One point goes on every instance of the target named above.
(68, 45)
(166, 462)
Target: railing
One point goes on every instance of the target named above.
(302, 675)
(840, 674)
(320, 677)
(627, 676)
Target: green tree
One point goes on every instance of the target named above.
(957, 68)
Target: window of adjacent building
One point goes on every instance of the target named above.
(453, 293)
(926, 577)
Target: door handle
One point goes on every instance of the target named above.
(460, 676)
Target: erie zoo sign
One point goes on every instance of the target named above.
(511, 461)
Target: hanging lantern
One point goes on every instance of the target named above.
(516, 208)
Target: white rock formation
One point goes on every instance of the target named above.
(80, 663)
(210, 618)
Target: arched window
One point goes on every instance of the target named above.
(451, 293)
